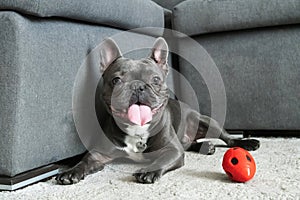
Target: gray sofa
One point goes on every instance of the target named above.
(42, 45)
(255, 45)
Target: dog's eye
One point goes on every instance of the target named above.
(156, 80)
(116, 81)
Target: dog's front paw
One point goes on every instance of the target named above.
(248, 144)
(145, 176)
(71, 176)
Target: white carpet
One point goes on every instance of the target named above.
(202, 177)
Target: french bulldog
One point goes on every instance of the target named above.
(141, 120)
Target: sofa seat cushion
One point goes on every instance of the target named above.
(194, 17)
(127, 14)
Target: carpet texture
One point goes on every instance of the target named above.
(202, 177)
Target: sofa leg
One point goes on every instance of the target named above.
(28, 178)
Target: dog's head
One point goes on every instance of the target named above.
(134, 91)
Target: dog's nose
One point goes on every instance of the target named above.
(139, 94)
(141, 88)
(138, 86)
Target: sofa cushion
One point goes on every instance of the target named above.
(194, 17)
(127, 14)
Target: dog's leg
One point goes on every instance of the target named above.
(202, 124)
(165, 153)
(152, 173)
(91, 162)
(206, 148)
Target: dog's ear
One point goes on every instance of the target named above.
(159, 54)
(109, 52)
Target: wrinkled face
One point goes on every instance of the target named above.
(135, 91)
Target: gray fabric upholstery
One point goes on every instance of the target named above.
(39, 59)
(260, 70)
(127, 14)
(194, 17)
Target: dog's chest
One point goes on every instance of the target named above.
(136, 141)
(141, 131)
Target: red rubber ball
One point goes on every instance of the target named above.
(239, 164)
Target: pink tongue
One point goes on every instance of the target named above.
(139, 115)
